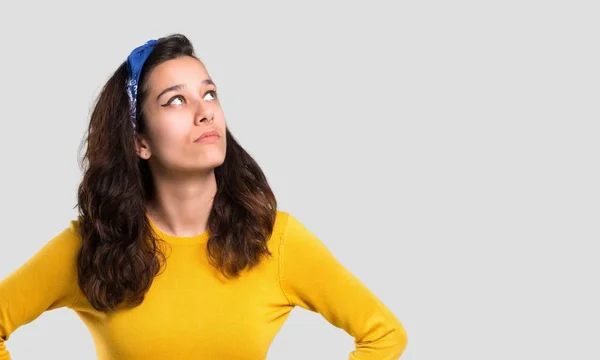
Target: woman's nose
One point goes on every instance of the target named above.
(203, 116)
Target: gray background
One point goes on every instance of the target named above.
(445, 151)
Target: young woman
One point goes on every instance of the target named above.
(179, 251)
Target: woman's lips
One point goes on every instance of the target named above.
(210, 136)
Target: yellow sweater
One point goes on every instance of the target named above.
(193, 312)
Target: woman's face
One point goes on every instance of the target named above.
(181, 111)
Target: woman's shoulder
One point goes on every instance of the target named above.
(289, 229)
(71, 234)
(283, 220)
(64, 244)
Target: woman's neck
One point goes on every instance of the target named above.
(181, 207)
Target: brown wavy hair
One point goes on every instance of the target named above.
(120, 256)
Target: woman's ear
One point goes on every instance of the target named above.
(142, 147)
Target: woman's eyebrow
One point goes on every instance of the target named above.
(181, 86)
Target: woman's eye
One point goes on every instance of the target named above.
(174, 99)
(177, 100)
(212, 93)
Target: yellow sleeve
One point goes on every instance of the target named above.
(312, 278)
(48, 280)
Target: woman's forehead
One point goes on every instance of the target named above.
(183, 70)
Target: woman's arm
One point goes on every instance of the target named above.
(312, 278)
(47, 281)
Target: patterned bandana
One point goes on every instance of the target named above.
(135, 62)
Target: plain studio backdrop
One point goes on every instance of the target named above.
(445, 151)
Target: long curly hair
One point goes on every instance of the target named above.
(120, 254)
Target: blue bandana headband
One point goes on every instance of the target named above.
(135, 62)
